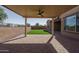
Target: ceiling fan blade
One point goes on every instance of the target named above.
(42, 12)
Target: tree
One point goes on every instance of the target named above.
(37, 24)
(3, 15)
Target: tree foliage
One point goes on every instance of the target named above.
(3, 15)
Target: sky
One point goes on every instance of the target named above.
(33, 21)
(13, 17)
(17, 19)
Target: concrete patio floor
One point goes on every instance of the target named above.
(34, 43)
(29, 44)
(71, 44)
(30, 39)
(41, 44)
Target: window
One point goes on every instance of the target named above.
(77, 25)
(71, 23)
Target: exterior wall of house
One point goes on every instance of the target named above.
(67, 33)
(57, 26)
(49, 26)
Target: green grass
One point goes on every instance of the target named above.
(38, 32)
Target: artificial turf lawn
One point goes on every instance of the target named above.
(38, 32)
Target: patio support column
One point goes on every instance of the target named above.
(62, 25)
(52, 26)
(25, 27)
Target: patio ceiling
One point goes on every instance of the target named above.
(30, 11)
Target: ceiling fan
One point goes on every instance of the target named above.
(40, 13)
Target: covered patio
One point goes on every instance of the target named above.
(40, 43)
(31, 11)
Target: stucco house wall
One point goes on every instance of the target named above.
(69, 34)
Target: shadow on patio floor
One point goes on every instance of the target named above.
(71, 44)
(26, 48)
